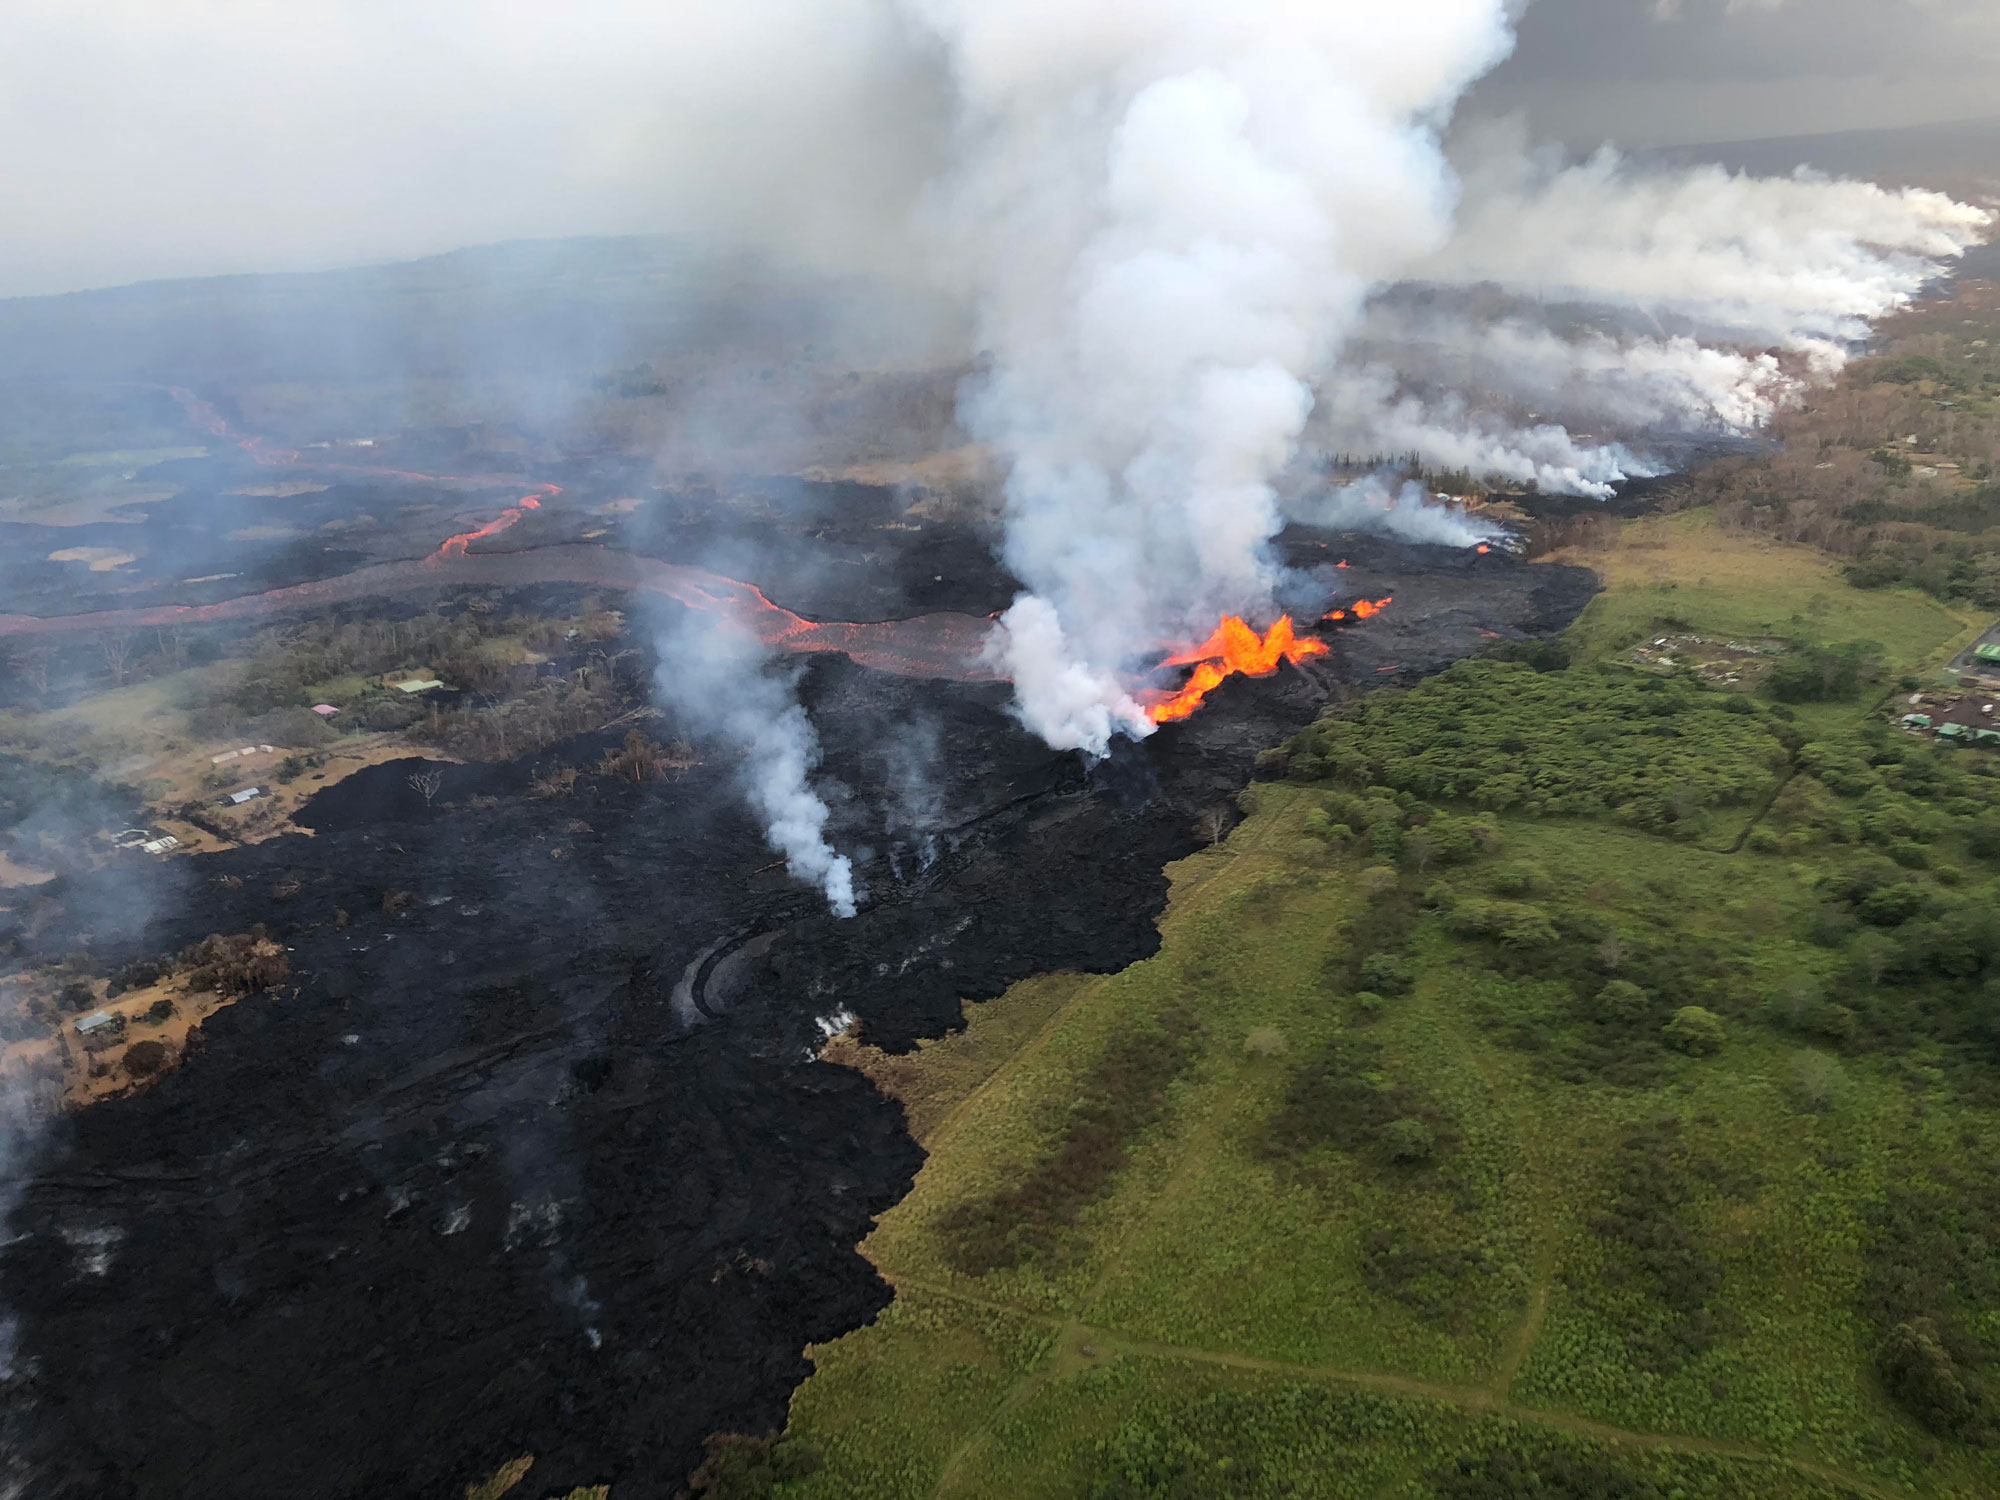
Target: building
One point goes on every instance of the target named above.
(98, 1023)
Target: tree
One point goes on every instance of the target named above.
(1920, 1373)
(1696, 1031)
(426, 783)
(32, 663)
(1409, 1141)
(1621, 1000)
(1213, 824)
(1817, 1078)
(116, 647)
(1419, 850)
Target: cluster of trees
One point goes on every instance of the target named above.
(1653, 752)
(472, 648)
(1814, 673)
(1932, 1280)
(240, 964)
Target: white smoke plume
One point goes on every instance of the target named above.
(1675, 382)
(1402, 509)
(720, 682)
(1801, 261)
(1174, 215)
(1363, 407)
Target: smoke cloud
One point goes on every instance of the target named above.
(719, 681)
(1176, 219)
(1405, 509)
(1802, 262)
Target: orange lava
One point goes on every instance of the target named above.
(1360, 609)
(456, 546)
(1233, 648)
(1482, 547)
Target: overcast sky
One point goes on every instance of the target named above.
(1670, 72)
(148, 138)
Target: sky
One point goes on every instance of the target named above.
(152, 138)
(1674, 72)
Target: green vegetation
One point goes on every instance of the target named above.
(1570, 1080)
(1893, 468)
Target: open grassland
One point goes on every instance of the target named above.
(1686, 569)
(1493, 1121)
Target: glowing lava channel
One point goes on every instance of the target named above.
(456, 546)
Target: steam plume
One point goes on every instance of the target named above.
(719, 681)
(1174, 214)
(1175, 217)
(1379, 503)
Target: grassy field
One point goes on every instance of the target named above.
(1686, 567)
(1372, 1183)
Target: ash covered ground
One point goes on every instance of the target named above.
(532, 1156)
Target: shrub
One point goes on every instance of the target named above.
(1695, 1031)
(1387, 974)
(1621, 1001)
(1519, 880)
(144, 1059)
(1409, 1141)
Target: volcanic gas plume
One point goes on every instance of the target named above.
(1177, 219)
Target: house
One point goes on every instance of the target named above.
(325, 710)
(1987, 651)
(161, 845)
(1916, 721)
(237, 799)
(420, 685)
(97, 1024)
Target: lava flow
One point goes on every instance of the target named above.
(456, 546)
(1233, 648)
(1360, 609)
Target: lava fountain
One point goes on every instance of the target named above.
(1234, 648)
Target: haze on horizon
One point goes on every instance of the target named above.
(232, 136)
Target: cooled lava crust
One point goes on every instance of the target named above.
(469, 1191)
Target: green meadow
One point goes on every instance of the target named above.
(1567, 1081)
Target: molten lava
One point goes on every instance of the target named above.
(456, 546)
(1360, 609)
(1233, 648)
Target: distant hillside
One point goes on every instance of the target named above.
(556, 305)
(1961, 157)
